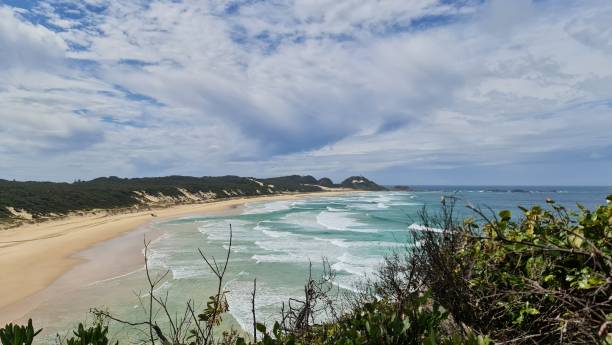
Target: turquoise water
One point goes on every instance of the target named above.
(275, 242)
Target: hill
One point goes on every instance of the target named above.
(361, 183)
(39, 200)
(326, 182)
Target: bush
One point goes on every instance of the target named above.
(95, 335)
(18, 335)
(380, 322)
(542, 278)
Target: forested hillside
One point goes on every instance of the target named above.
(41, 199)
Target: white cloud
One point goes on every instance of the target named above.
(204, 87)
(26, 45)
(593, 29)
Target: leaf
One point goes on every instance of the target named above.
(406, 325)
(261, 327)
(575, 240)
(505, 215)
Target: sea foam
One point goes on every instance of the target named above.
(339, 221)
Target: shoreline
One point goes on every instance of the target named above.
(35, 256)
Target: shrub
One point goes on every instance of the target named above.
(541, 278)
(380, 322)
(18, 335)
(95, 335)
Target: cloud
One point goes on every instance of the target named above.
(592, 29)
(326, 87)
(25, 44)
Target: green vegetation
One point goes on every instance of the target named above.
(18, 335)
(547, 276)
(42, 199)
(95, 335)
(325, 182)
(380, 322)
(541, 278)
(360, 182)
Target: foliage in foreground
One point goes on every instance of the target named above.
(18, 335)
(543, 278)
(380, 322)
(95, 335)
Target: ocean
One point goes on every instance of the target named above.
(277, 241)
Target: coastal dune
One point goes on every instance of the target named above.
(33, 256)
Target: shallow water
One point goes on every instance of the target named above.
(276, 241)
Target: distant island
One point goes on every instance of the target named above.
(31, 201)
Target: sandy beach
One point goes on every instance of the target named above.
(34, 256)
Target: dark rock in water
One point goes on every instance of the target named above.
(361, 183)
(401, 188)
(326, 182)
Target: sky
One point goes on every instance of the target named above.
(404, 92)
